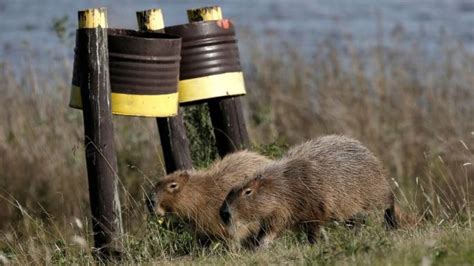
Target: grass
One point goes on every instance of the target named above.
(413, 109)
(443, 244)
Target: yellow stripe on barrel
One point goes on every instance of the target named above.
(75, 101)
(213, 86)
(161, 105)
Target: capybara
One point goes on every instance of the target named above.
(195, 196)
(329, 178)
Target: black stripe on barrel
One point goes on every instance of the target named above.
(145, 63)
(208, 48)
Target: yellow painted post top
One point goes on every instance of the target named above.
(93, 18)
(150, 20)
(205, 14)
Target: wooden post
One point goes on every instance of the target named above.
(229, 124)
(173, 138)
(226, 113)
(98, 130)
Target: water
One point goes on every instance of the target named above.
(26, 34)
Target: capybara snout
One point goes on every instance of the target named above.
(150, 202)
(224, 213)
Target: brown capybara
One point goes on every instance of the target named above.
(325, 179)
(195, 196)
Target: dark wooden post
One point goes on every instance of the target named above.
(226, 113)
(229, 124)
(98, 130)
(173, 138)
(175, 143)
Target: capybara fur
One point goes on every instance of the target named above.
(195, 196)
(325, 179)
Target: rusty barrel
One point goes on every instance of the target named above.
(210, 64)
(144, 71)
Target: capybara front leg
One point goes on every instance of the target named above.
(312, 231)
(267, 240)
(204, 240)
(268, 234)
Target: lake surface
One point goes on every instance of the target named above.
(26, 34)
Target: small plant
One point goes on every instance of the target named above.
(63, 29)
(200, 134)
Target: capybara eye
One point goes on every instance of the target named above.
(248, 191)
(173, 185)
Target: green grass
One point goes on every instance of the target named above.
(447, 243)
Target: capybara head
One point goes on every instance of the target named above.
(167, 193)
(246, 207)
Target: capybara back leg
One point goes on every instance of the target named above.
(389, 215)
(356, 221)
(312, 231)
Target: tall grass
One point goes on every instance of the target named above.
(413, 109)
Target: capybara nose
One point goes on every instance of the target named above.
(225, 213)
(150, 202)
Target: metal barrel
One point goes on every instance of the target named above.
(210, 63)
(226, 112)
(144, 70)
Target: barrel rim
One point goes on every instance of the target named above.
(137, 34)
(199, 23)
(142, 35)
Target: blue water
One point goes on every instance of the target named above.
(26, 33)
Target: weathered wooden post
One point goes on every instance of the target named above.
(92, 49)
(173, 138)
(211, 72)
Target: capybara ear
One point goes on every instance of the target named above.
(184, 175)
